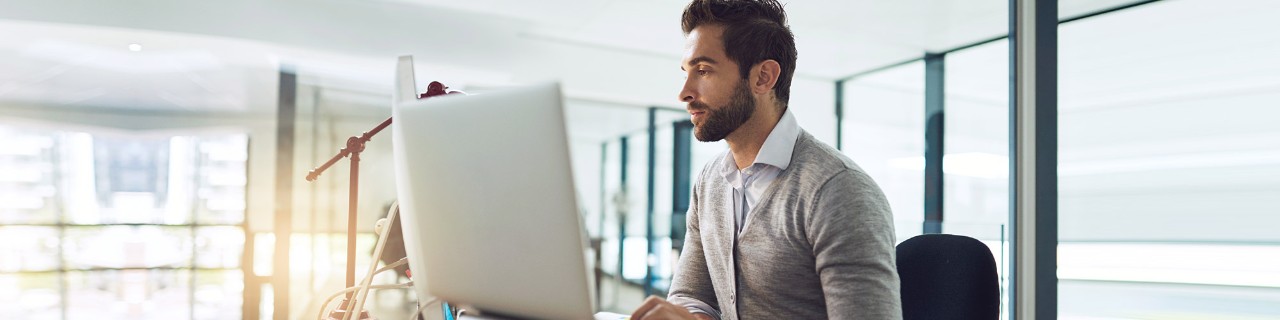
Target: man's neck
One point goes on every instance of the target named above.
(746, 141)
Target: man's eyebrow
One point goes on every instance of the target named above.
(699, 59)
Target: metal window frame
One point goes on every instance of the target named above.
(682, 160)
(286, 121)
(623, 211)
(650, 187)
(934, 115)
(1033, 175)
(840, 114)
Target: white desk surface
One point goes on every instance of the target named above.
(599, 316)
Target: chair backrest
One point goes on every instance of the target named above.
(947, 277)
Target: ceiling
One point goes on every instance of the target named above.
(224, 56)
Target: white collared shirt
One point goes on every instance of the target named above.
(750, 183)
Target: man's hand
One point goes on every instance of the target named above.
(655, 308)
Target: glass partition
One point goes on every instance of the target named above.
(883, 132)
(976, 164)
(1169, 163)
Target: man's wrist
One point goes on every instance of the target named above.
(702, 316)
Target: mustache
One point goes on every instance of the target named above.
(698, 106)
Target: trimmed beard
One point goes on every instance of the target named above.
(725, 120)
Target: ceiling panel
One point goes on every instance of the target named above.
(481, 42)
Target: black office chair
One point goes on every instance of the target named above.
(947, 277)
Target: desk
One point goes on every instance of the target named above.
(599, 316)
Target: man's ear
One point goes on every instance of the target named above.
(764, 76)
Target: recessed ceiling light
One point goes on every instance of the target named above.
(135, 47)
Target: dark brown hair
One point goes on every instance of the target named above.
(754, 31)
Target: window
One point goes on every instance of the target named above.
(1170, 162)
(121, 226)
(883, 132)
(976, 164)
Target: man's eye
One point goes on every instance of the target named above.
(702, 72)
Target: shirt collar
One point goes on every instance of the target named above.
(776, 150)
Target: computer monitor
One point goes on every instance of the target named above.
(488, 206)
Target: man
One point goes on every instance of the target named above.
(781, 226)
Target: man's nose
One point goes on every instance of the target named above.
(687, 93)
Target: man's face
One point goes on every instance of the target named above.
(718, 99)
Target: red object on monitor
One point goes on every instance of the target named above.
(435, 89)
